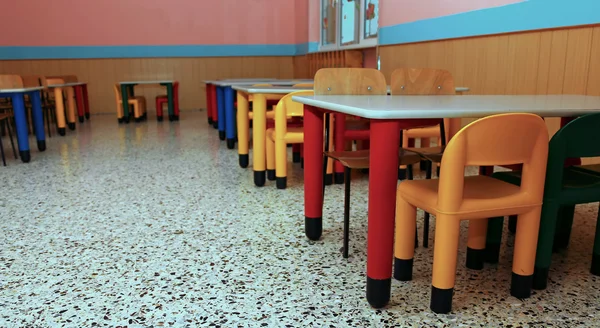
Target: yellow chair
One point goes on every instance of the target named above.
(496, 140)
(279, 137)
(138, 102)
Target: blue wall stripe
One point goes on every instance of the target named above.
(80, 52)
(529, 15)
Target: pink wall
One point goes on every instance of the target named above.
(151, 22)
(301, 17)
(314, 21)
(395, 12)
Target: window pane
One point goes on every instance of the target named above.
(371, 18)
(350, 22)
(328, 21)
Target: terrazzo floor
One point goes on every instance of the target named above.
(155, 224)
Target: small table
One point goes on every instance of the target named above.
(18, 103)
(74, 93)
(128, 86)
(211, 97)
(259, 123)
(226, 110)
(386, 114)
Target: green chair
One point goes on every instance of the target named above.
(564, 188)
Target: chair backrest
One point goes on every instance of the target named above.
(495, 140)
(349, 81)
(8, 81)
(117, 89)
(31, 81)
(575, 139)
(422, 81)
(288, 108)
(65, 78)
(54, 80)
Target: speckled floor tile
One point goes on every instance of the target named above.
(155, 224)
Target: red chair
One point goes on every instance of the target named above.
(162, 99)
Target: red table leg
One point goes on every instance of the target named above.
(313, 172)
(86, 101)
(209, 104)
(80, 102)
(340, 142)
(213, 103)
(383, 178)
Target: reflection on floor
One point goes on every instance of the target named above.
(155, 224)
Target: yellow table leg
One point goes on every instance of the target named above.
(243, 128)
(71, 108)
(60, 111)
(259, 127)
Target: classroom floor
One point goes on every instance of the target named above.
(155, 224)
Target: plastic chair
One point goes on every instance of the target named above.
(138, 102)
(164, 99)
(281, 135)
(495, 140)
(565, 187)
(5, 124)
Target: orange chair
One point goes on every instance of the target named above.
(496, 140)
(281, 135)
(138, 102)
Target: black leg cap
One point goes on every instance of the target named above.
(120, 120)
(595, 270)
(126, 119)
(423, 165)
(71, 126)
(338, 178)
(41, 145)
(139, 119)
(441, 300)
(475, 258)
(171, 118)
(512, 223)
(313, 228)
(403, 269)
(176, 117)
(210, 121)
(62, 131)
(244, 160)
(216, 124)
(296, 157)
(222, 135)
(302, 163)
(520, 286)
(159, 118)
(401, 174)
(25, 156)
(270, 175)
(230, 143)
(378, 292)
(540, 278)
(491, 253)
(281, 182)
(328, 179)
(81, 119)
(87, 116)
(259, 178)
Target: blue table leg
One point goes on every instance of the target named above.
(21, 123)
(38, 119)
(221, 112)
(229, 117)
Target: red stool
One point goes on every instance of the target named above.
(162, 99)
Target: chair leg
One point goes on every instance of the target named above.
(543, 256)
(10, 137)
(525, 251)
(347, 175)
(404, 245)
(47, 116)
(476, 243)
(1, 146)
(409, 176)
(595, 270)
(493, 239)
(426, 217)
(565, 225)
(445, 251)
(270, 152)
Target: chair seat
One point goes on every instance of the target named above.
(433, 154)
(360, 159)
(427, 132)
(134, 100)
(162, 97)
(481, 195)
(595, 168)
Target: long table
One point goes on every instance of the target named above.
(387, 114)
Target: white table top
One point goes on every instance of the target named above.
(269, 90)
(65, 85)
(272, 82)
(21, 90)
(238, 80)
(146, 82)
(405, 107)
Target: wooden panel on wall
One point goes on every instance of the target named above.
(101, 74)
